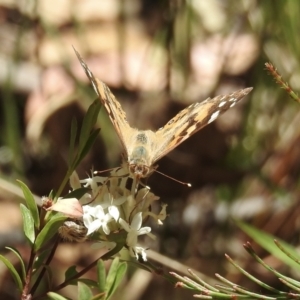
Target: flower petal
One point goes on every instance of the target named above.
(71, 207)
(114, 212)
(124, 224)
(144, 230)
(94, 226)
(136, 221)
(131, 239)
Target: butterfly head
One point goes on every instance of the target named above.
(139, 164)
(139, 171)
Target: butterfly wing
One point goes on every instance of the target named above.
(192, 119)
(112, 106)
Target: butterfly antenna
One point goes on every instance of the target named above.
(102, 171)
(172, 178)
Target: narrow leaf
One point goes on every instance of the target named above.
(54, 296)
(84, 292)
(111, 276)
(48, 231)
(121, 271)
(31, 205)
(78, 193)
(267, 242)
(28, 223)
(13, 272)
(40, 259)
(87, 146)
(88, 123)
(70, 272)
(23, 270)
(52, 194)
(101, 274)
(91, 283)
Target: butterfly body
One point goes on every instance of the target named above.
(139, 155)
(143, 148)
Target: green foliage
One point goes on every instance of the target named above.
(48, 231)
(55, 296)
(40, 228)
(30, 203)
(87, 135)
(266, 241)
(22, 264)
(14, 273)
(230, 290)
(101, 276)
(78, 193)
(115, 275)
(28, 223)
(84, 292)
(41, 258)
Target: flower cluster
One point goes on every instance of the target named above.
(108, 209)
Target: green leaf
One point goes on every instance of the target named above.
(267, 242)
(91, 283)
(13, 272)
(120, 240)
(84, 292)
(87, 135)
(16, 252)
(116, 277)
(49, 231)
(95, 109)
(40, 259)
(48, 282)
(88, 123)
(55, 296)
(100, 296)
(52, 194)
(101, 274)
(70, 272)
(31, 205)
(112, 274)
(87, 146)
(78, 193)
(74, 129)
(121, 271)
(28, 223)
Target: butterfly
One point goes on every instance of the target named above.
(143, 148)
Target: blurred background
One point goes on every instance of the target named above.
(157, 57)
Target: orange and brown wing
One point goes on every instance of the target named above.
(112, 106)
(193, 118)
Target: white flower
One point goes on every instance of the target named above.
(108, 200)
(134, 230)
(144, 198)
(94, 218)
(161, 216)
(93, 183)
(74, 181)
(114, 212)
